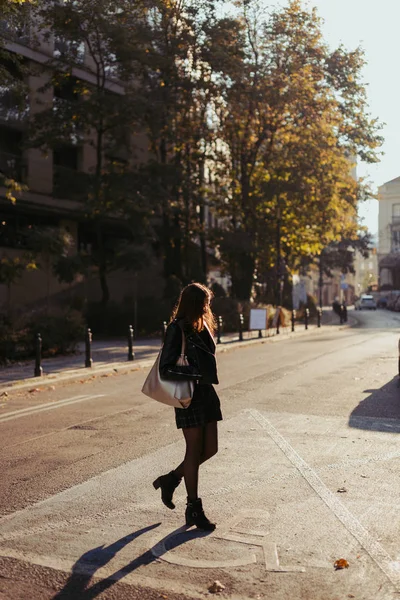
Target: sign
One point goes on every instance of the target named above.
(258, 319)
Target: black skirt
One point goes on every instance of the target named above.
(204, 408)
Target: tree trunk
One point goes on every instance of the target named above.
(102, 263)
(202, 235)
(242, 274)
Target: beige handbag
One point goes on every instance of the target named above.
(173, 393)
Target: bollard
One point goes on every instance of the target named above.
(241, 321)
(164, 331)
(219, 328)
(341, 314)
(131, 355)
(260, 333)
(88, 349)
(306, 317)
(319, 315)
(38, 361)
(293, 319)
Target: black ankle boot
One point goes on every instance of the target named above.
(168, 484)
(195, 516)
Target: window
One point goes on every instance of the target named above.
(66, 157)
(396, 210)
(395, 241)
(67, 90)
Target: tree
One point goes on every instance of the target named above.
(294, 114)
(178, 79)
(97, 111)
(11, 271)
(49, 244)
(13, 88)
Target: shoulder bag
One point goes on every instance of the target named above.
(174, 393)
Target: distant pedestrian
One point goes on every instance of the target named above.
(193, 317)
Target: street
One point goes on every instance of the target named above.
(306, 474)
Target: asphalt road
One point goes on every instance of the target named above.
(307, 474)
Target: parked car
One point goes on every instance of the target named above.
(365, 301)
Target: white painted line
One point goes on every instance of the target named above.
(30, 408)
(27, 412)
(161, 549)
(372, 547)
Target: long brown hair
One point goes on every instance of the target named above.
(194, 306)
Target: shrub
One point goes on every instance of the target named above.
(114, 319)
(61, 331)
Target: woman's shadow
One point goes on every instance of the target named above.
(380, 411)
(86, 566)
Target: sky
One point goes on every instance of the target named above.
(374, 25)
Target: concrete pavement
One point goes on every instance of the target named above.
(306, 474)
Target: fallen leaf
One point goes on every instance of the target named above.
(351, 596)
(52, 388)
(341, 564)
(32, 391)
(4, 395)
(216, 587)
(342, 490)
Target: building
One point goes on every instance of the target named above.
(50, 178)
(389, 235)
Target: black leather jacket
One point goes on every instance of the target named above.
(200, 353)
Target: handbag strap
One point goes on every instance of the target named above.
(183, 349)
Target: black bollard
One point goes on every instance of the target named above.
(131, 355)
(260, 333)
(88, 349)
(306, 317)
(164, 330)
(319, 315)
(293, 319)
(241, 321)
(38, 360)
(219, 328)
(341, 314)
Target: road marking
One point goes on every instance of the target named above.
(160, 550)
(39, 437)
(27, 412)
(371, 546)
(228, 532)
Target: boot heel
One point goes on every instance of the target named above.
(157, 484)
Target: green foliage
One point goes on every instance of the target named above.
(250, 116)
(61, 331)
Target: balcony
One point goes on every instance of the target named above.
(14, 109)
(70, 184)
(16, 30)
(67, 49)
(13, 166)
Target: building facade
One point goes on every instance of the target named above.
(389, 235)
(54, 179)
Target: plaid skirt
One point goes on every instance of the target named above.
(204, 408)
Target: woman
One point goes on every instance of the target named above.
(193, 316)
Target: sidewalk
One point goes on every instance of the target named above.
(113, 355)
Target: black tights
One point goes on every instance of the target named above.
(201, 444)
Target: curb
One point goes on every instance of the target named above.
(82, 373)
